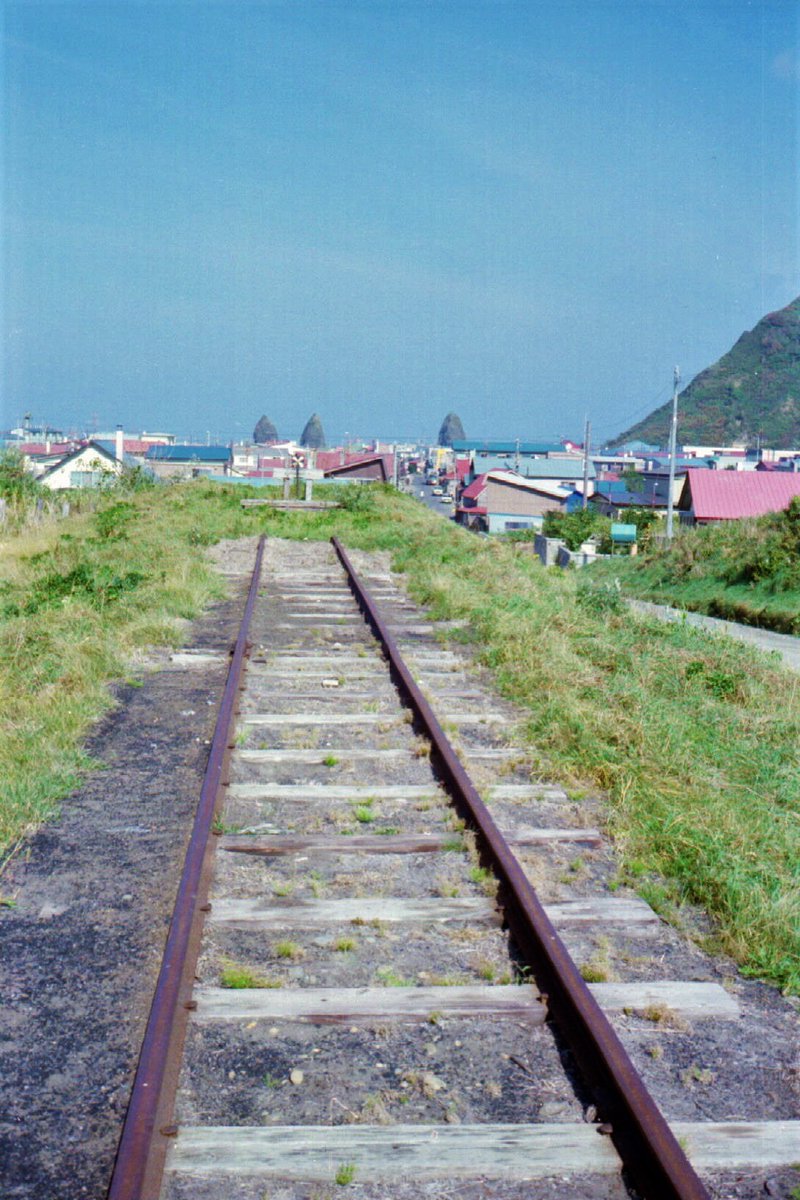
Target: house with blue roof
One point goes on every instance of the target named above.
(565, 472)
(637, 448)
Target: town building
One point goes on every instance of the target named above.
(87, 466)
(502, 501)
(188, 462)
(732, 495)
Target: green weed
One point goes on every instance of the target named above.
(235, 976)
(289, 950)
(345, 1174)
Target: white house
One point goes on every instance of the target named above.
(87, 466)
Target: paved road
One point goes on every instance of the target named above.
(426, 497)
(785, 644)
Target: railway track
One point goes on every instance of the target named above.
(361, 987)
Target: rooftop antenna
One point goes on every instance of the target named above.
(673, 434)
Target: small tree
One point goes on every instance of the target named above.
(264, 431)
(576, 527)
(645, 520)
(15, 482)
(451, 430)
(313, 435)
(632, 479)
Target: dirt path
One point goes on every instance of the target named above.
(80, 948)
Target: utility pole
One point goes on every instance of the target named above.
(673, 435)
(587, 433)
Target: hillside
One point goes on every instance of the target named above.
(751, 393)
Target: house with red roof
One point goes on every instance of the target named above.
(463, 466)
(363, 467)
(732, 495)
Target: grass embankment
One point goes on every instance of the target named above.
(694, 738)
(747, 571)
(77, 598)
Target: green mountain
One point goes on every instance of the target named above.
(751, 395)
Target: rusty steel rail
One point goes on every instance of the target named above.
(142, 1144)
(649, 1151)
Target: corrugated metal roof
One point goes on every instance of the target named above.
(326, 460)
(360, 462)
(637, 447)
(730, 495)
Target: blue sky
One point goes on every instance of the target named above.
(527, 212)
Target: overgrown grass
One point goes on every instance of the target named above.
(747, 571)
(78, 597)
(695, 739)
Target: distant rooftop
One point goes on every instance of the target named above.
(189, 453)
(485, 447)
(534, 468)
(636, 447)
(731, 495)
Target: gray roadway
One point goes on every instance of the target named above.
(425, 496)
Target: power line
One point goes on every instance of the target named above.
(639, 412)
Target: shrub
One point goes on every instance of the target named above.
(356, 497)
(112, 522)
(577, 527)
(15, 482)
(599, 598)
